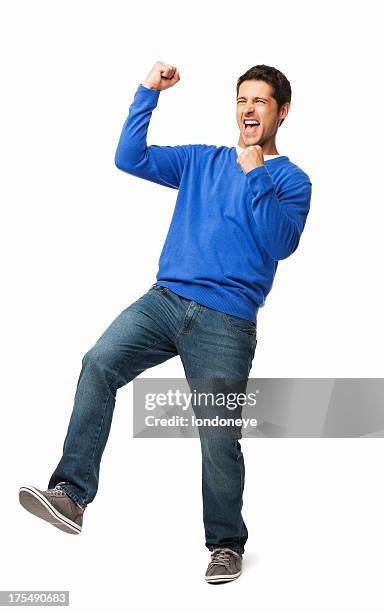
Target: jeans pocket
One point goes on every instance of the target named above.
(241, 326)
(159, 288)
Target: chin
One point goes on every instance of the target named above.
(249, 142)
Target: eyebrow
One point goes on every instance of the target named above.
(256, 98)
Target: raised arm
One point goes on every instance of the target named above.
(160, 164)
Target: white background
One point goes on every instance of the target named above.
(81, 241)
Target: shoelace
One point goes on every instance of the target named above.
(221, 556)
(56, 491)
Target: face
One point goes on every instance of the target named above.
(254, 101)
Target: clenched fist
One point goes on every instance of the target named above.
(162, 76)
(250, 158)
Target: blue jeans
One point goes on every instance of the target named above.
(212, 345)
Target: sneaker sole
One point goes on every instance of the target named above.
(222, 578)
(33, 501)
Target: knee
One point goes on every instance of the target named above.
(101, 364)
(100, 357)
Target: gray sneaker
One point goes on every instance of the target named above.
(224, 566)
(54, 506)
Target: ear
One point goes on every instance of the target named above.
(284, 112)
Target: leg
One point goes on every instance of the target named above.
(138, 339)
(214, 348)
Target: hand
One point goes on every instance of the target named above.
(162, 76)
(250, 158)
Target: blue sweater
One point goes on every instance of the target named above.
(229, 229)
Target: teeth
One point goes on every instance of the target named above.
(251, 122)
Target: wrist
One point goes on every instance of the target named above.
(149, 86)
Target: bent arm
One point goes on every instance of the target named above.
(160, 164)
(280, 219)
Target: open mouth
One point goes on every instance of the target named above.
(250, 126)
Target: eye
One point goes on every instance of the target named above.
(242, 101)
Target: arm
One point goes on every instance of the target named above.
(281, 219)
(163, 165)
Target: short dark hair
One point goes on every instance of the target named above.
(281, 88)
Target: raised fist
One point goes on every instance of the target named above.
(250, 158)
(162, 76)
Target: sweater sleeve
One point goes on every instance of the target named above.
(160, 164)
(280, 219)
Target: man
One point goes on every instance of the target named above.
(239, 210)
